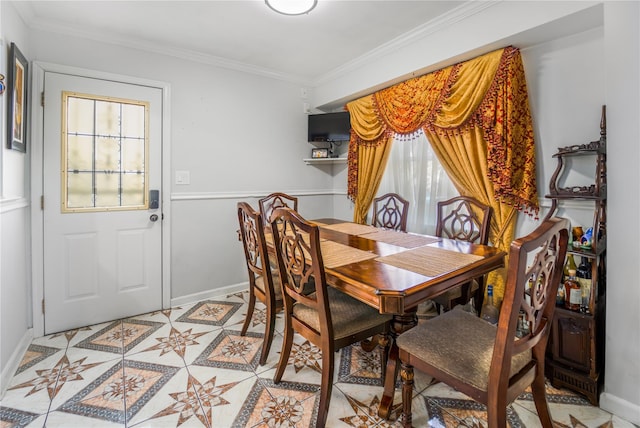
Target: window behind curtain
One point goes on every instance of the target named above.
(414, 172)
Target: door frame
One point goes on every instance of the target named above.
(36, 174)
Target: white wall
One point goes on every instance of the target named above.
(15, 282)
(564, 113)
(622, 65)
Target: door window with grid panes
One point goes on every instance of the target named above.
(104, 153)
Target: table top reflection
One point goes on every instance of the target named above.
(396, 271)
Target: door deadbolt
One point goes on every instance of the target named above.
(154, 200)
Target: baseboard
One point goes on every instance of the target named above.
(620, 407)
(14, 361)
(209, 294)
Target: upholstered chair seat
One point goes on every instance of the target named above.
(348, 315)
(465, 355)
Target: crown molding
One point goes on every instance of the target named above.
(470, 8)
(445, 20)
(26, 12)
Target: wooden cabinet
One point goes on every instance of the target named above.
(575, 355)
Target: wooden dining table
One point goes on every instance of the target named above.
(395, 271)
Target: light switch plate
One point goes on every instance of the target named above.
(183, 177)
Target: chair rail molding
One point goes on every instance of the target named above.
(12, 204)
(194, 196)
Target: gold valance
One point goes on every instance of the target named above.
(487, 93)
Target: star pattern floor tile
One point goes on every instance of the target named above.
(35, 354)
(361, 367)
(15, 418)
(120, 336)
(120, 392)
(189, 366)
(231, 351)
(278, 405)
(210, 312)
(197, 401)
(53, 379)
(464, 412)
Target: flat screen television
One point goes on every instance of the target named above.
(329, 127)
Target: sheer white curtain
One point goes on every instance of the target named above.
(414, 172)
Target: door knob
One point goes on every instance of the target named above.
(154, 217)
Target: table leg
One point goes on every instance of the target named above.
(399, 325)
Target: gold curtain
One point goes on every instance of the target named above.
(476, 116)
(368, 151)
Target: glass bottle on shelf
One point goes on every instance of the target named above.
(489, 311)
(576, 234)
(583, 275)
(572, 292)
(569, 264)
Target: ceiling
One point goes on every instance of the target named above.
(242, 34)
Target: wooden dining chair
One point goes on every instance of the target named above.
(276, 200)
(326, 317)
(264, 283)
(390, 211)
(495, 364)
(465, 219)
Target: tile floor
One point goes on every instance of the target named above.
(189, 367)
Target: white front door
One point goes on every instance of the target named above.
(102, 221)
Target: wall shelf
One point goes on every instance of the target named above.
(324, 161)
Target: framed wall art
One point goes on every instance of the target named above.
(17, 75)
(319, 153)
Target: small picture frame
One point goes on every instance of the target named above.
(18, 73)
(319, 153)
